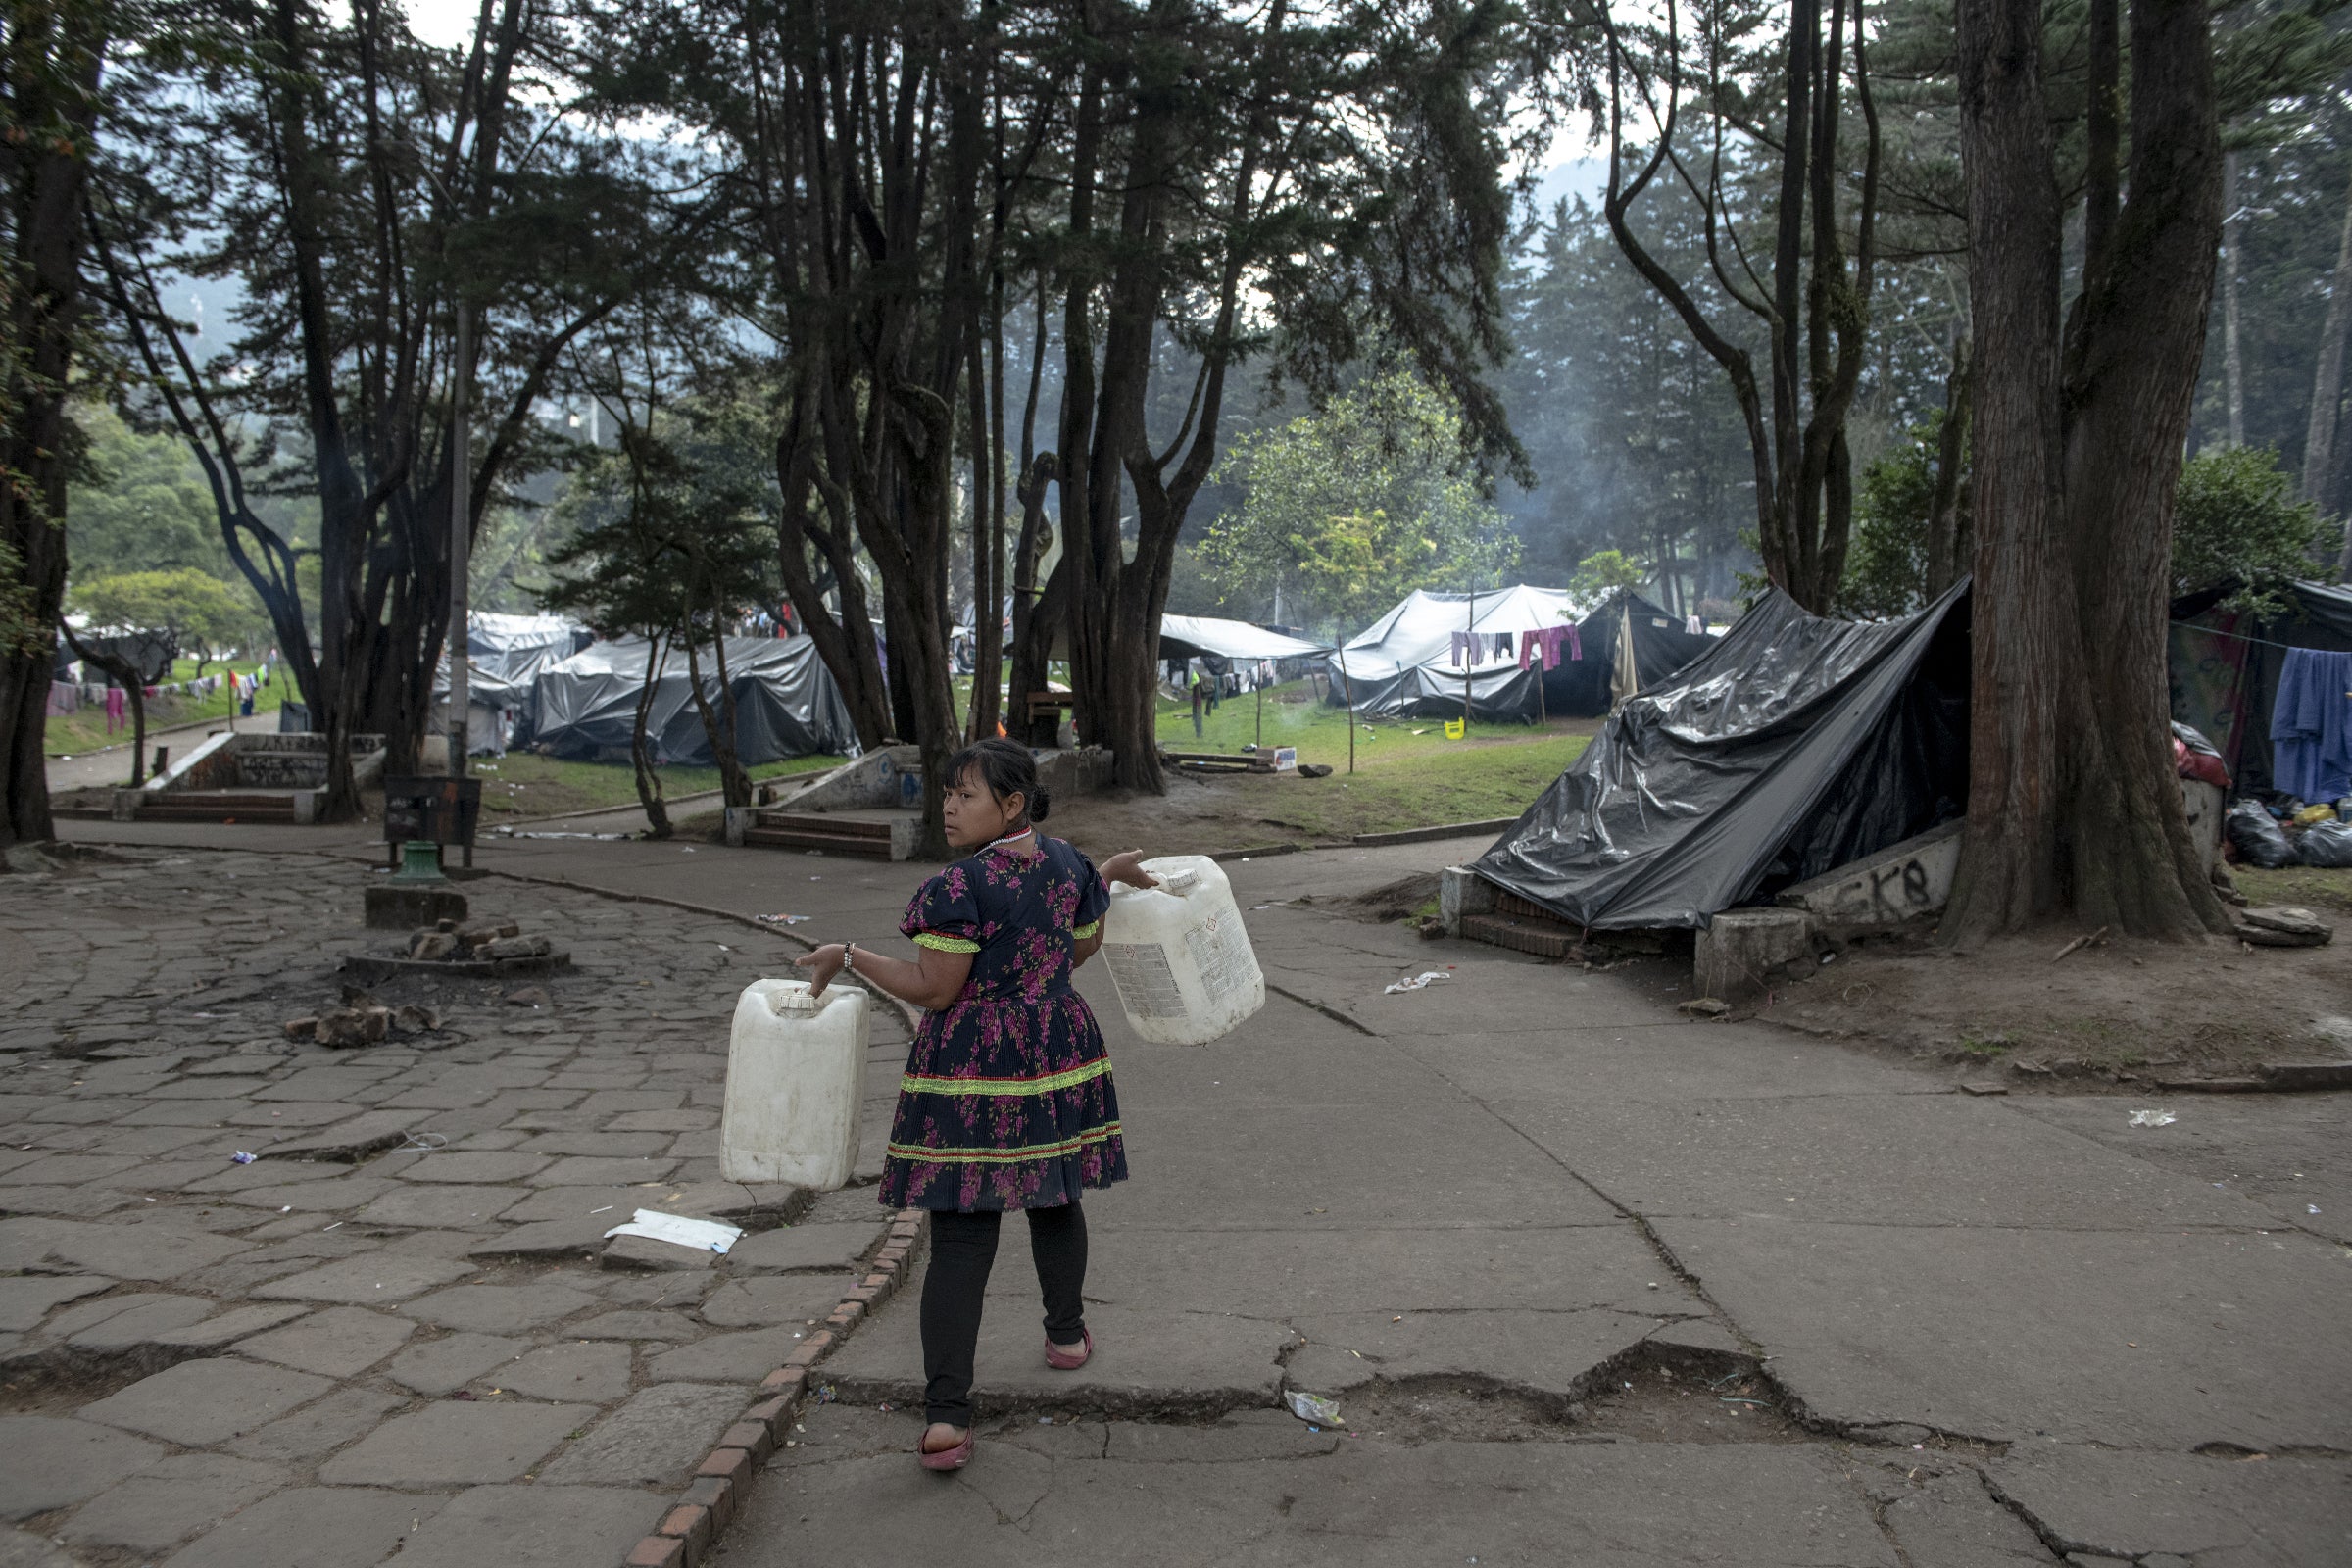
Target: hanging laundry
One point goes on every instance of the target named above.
(2311, 726)
(1695, 626)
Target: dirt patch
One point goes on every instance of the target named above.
(1199, 815)
(2123, 1012)
(1405, 899)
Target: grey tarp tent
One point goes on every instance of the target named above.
(1795, 745)
(786, 704)
(503, 657)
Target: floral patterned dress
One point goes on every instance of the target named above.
(1006, 1101)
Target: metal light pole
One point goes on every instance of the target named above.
(460, 548)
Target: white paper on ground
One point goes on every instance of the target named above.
(703, 1235)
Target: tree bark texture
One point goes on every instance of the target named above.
(53, 70)
(2233, 353)
(2327, 388)
(2073, 804)
(1949, 545)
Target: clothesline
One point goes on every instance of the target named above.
(2213, 631)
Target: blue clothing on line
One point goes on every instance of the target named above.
(2311, 726)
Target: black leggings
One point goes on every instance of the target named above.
(964, 1248)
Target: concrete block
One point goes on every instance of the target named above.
(876, 781)
(397, 906)
(1463, 892)
(2206, 805)
(1900, 883)
(124, 806)
(306, 805)
(1739, 950)
(196, 760)
(739, 817)
(904, 833)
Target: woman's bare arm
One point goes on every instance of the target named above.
(932, 982)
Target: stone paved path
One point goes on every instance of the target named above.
(1590, 1284)
(325, 1360)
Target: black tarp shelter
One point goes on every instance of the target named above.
(786, 704)
(504, 656)
(1407, 664)
(2223, 667)
(1793, 745)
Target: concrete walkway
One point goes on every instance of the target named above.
(111, 765)
(1591, 1285)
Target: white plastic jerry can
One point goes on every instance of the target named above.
(796, 1069)
(1179, 954)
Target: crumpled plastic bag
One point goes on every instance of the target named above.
(1313, 1408)
(2326, 843)
(2260, 840)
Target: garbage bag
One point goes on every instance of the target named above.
(2260, 840)
(2326, 844)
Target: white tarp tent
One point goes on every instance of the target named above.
(1192, 636)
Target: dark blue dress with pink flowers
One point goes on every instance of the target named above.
(1006, 1101)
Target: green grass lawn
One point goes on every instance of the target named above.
(1406, 773)
(85, 731)
(1472, 783)
(520, 784)
(1294, 716)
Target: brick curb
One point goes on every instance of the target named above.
(692, 1525)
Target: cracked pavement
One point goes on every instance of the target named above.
(1592, 1285)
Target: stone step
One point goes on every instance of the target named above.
(1540, 935)
(212, 805)
(829, 835)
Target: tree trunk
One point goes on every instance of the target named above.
(2021, 651)
(719, 729)
(2327, 386)
(2233, 358)
(56, 90)
(2073, 806)
(641, 752)
(2129, 392)
(1948, 544)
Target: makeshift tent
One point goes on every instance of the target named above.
(1795, 745)
(2226, 664)
(786, 704)
(1408, 663)
(1198, 636)
(503, 657)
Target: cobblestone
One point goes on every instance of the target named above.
(400, 1331)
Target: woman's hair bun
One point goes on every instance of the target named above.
(1041, 801)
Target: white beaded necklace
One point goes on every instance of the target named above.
(1009, 838)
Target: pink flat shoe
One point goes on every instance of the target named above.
(1063, 1359)
(955, 1458)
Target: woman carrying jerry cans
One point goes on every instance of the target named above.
(1006, 1101)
